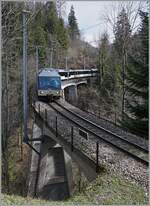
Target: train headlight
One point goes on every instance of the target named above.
(41, 92)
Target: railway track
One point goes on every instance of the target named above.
(131, 148)
(104, 129)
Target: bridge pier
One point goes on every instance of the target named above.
(70, 94)
(63, 94)
(73, 96)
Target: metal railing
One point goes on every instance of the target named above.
(71, 135)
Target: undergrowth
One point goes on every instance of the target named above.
(105, 190)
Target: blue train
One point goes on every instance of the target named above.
(49, 83)
(49, 80)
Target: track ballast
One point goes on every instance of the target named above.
(131, 148)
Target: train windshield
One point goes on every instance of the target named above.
(53, 83)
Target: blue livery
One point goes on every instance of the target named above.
(49, 83)
(52, 83)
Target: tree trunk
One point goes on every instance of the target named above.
(5, 174)
(123, 82)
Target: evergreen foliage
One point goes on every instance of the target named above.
(107, 71)
(103, 55)
(51, 18)
(37, 33)
(137, 117)
(73, 26)
(62, 34)
(49, 32)
(122, 31)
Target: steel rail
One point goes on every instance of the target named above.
(103, 129)
(100, 137)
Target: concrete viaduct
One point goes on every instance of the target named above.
(70, 84)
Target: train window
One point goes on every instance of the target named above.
(49, 83)
(63, 74)
(67, 73)
(72, 73)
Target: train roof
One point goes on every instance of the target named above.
(77, 70)
(48, 72)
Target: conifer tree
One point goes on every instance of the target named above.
(51, 18)
(62, 35)
(38, 35)
(103, 55)
(137, 117)
(107, 71)
(122, 31)
(73, 26)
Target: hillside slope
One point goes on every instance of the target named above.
(105, 190)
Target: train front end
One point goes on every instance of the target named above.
(49, 84)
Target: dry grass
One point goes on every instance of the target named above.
(105, 190)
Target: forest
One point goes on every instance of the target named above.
(122, 89)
